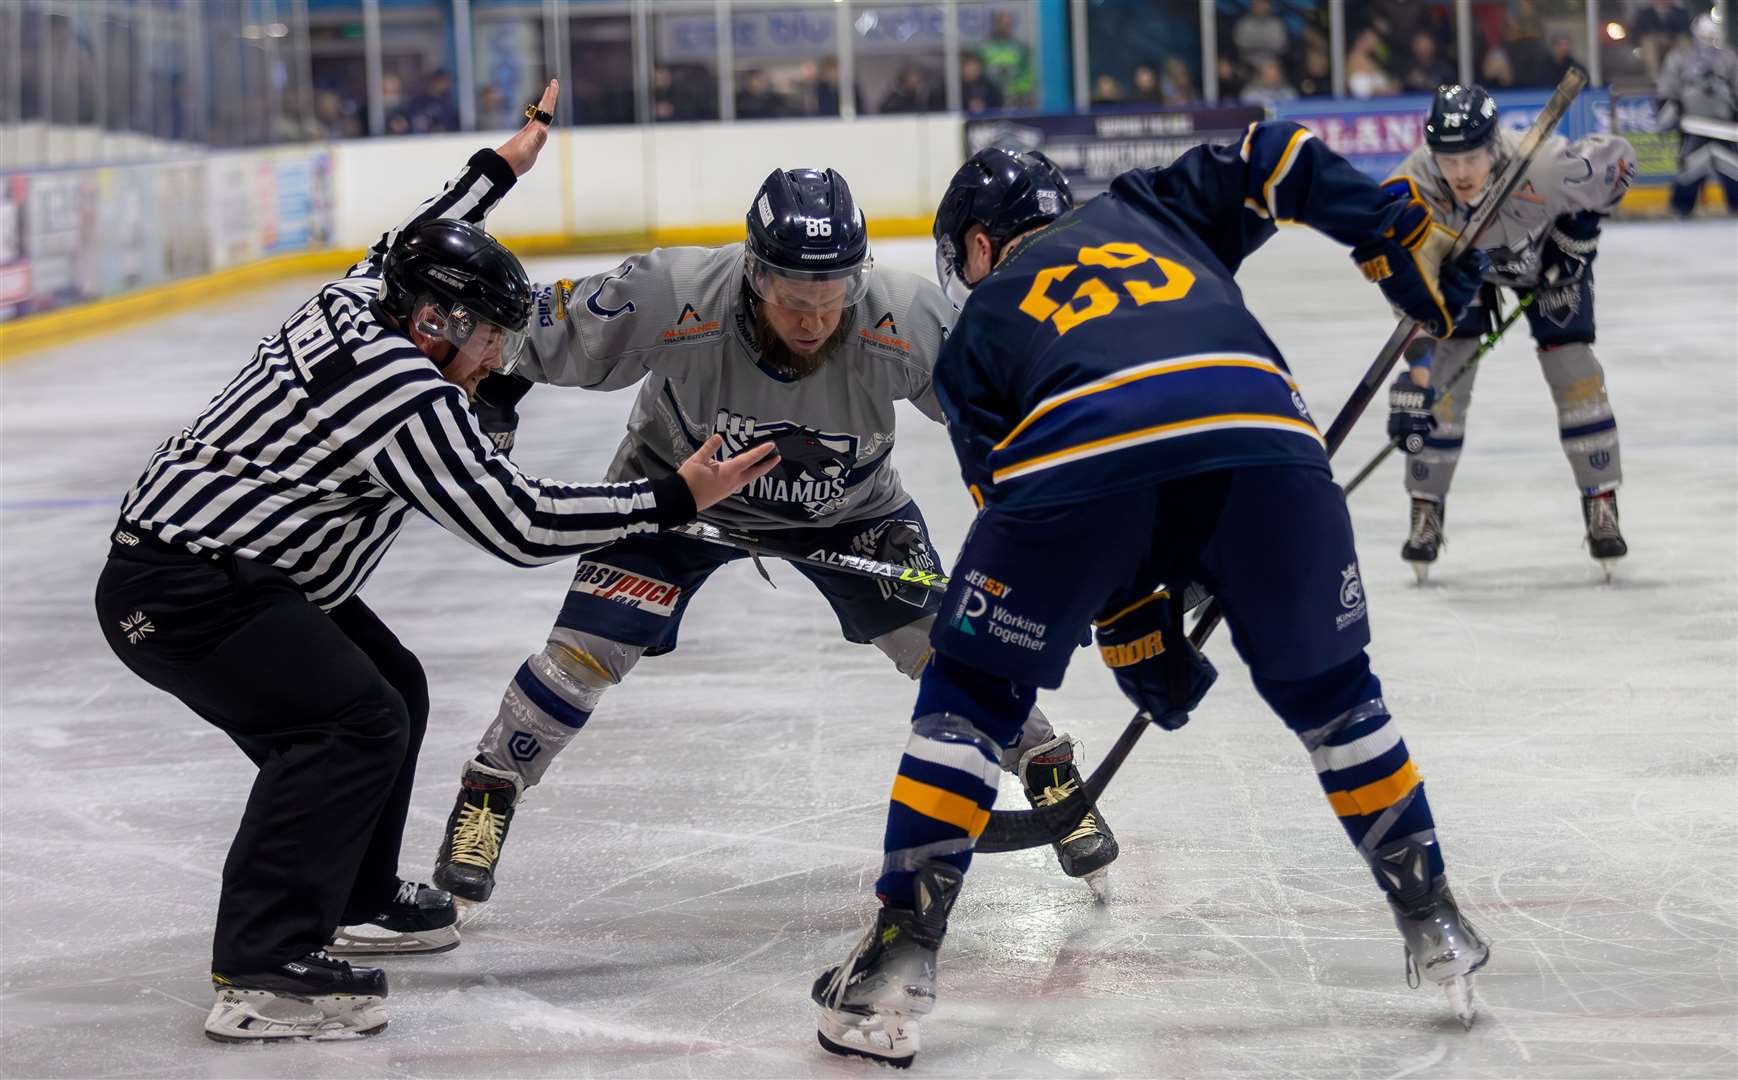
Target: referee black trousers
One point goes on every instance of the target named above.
(329, 706)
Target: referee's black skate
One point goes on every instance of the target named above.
(417, 919)
(315, 997)
(1049, 774)
(1604, 539)
(1425, 540)
(476, 831)
(871, 1002)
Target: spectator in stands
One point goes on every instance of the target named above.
(1007, 60)
(757, 100)
(1177, 85)
(681, 94)
(1318, 74)
(495, 112)
(914, 91)
(1426, 69)
(337, 116)
(1524, 41)
(1106, 90)
(1366, 75)
(435, 108)
(1659, 27)
(1231, 76)
(1562, 60)
(977, 93)
(1268, 87)
(827, 88)
(1496, 72)
(1259, 34)
(1144, 85)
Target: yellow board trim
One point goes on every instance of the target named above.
(1132, 436)
(1123, 380)
(1373, 798)
(67, 324)
(940, 804)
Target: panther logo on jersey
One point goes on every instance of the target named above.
(813, 470)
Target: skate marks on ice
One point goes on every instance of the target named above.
(707, 846)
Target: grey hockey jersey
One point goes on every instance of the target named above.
(675, 320)
(1703, 80)
(1564, 178)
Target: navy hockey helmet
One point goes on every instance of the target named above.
(479, 291)
(808, 246)
(1006, 192)
(1461, 118)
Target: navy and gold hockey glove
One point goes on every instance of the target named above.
(497, 408)
(1407, 263)
(1409, 417)
(1154, 664)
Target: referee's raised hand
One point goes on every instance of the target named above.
(522, 149)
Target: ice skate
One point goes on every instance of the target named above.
(1049, 775)
(417, 919)
(1426, 538)
(1442, 945)
(1604, 540)
(476, 830)
(316, 998)
(871, 1002)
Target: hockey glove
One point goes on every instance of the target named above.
(1569, 251)
(497, 408)
(1407, 263)
(1409, 415)
(1153, 662)
(902, 543)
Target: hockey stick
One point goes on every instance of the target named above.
(1725, 131)
(1485, 346)
(860, 565)
(1014, 830)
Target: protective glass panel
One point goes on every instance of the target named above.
(340, 69)
(1529, 43)
(1002, 37)
(1400, 47)
(899, 60)
(417, 87)
(684, 62)
(601, 66)
(508, 60)
(780, 54)
(1124, 36)
(1270, 52)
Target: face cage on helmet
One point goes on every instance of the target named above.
(472, 335)
(807, 290)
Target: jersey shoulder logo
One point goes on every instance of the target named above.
(607, 313)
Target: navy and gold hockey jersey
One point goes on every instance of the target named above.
(1113, 350)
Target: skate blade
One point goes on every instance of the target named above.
(470, 911)
(1420, 571)
(256, 1016)
(1608, 567)
(1099, 882)
(1459, 990)
(357, 941)
(883, 1038)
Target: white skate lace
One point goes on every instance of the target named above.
(1426, 524)
(477, 836)
(407, 891)
(842, 974)
(1602, 519)
(1050, 796)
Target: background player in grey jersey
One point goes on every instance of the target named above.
(1543, 240)
(794, 337)
(1700, 82)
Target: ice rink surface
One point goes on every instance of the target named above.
(707, 844)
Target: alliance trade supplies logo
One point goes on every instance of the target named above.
(1351, 597)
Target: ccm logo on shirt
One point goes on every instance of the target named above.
(615, 584)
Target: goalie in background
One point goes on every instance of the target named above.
(1700, 82)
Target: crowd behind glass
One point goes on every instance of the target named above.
(251, 72)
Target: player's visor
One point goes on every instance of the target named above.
(949, 274)
(476, 338)
(807, 290)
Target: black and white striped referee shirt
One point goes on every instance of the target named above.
(311, 457)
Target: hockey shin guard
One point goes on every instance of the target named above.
(1363, 764)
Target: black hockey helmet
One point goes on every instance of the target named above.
(472, 281)
(1461, 118)
(1006, 192)
(808, 246)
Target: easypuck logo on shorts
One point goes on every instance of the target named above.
(633, 590)
(1351, 597)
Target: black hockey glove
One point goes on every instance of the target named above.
(1154, 664)
(497, 408)
(1569, 251)
(902, 542)
(1409, 417)
(1408, 263)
